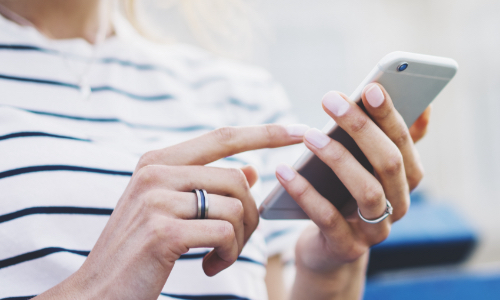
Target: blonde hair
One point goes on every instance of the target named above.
(231, 28)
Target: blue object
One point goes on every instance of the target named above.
(402, 67)
(429, 234)
(455, 287)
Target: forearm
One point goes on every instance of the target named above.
(346, 282)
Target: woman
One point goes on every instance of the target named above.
(79, 125)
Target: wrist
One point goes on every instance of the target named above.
(345, 281)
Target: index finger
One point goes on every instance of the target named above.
(223, 142)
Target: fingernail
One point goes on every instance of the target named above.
(374, 95)
(285, 171)
(335, 103)
(297, 130)
(317, 138)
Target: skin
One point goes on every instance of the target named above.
(335, 248)
(64, 19)
(153, 223)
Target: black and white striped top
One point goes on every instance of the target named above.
(65, 161)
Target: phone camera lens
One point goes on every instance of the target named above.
(402, 66)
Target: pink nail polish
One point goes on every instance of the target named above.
(335, 103)
(297, 130)
(285, 171)
(317, 138)
(374, 96)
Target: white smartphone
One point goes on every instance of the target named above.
(412, 80)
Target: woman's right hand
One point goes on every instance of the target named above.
(154, 222)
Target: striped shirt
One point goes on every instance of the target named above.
(66, 161)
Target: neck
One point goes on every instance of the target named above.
(65, 19)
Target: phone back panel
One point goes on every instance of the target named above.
(411, 91)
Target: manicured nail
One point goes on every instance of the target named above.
(297, 130)
(317, 138)
(285, 171)
(374, 95)
(335, 103)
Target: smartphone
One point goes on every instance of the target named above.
(412, 80)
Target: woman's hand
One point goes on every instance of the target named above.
(332, 254)
(155, 221)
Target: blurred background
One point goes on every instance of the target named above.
(315, 46)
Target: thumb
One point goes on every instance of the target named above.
(251, 174)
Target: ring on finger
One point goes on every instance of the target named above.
(202, 198)
(388, 211)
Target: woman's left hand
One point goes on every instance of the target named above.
(340, 238)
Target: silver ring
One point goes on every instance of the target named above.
(388, 211)
(205, 196)
(198, 197)
(202, 198)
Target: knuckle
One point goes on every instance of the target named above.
(164, 239)
(238, 176)
(373, 195)
(385, 114)
(403, 136)
(338, 153)
(172, 239)
(157, 231)
(225, 135)
(354, 251)
(271, 132)
(236, 209)
(148, 175)
(359, 123)
(393, 164)
(146, 159)
(154, 200)
(301, 191)
(145, 176)
(328, 218)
